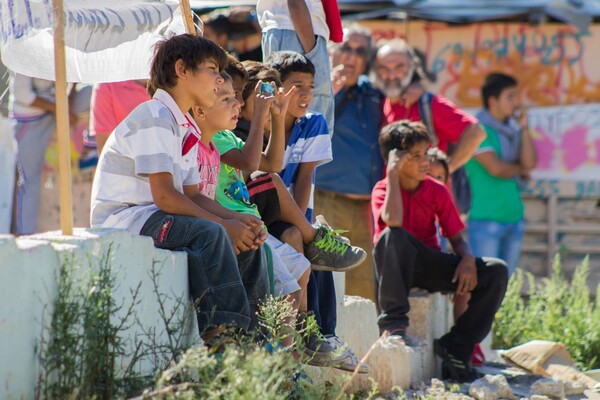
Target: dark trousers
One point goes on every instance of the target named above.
(321, 300)
(403, 262)
(225, 290)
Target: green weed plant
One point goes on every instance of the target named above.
(553, 309)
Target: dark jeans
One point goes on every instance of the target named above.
(321, 300)
(224, 290)
(403, 262)
(320, 291)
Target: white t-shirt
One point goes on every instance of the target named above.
(274, 14)
(148, 141)
(23, 91)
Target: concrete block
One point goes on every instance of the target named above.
(430, 317)
(395, 364)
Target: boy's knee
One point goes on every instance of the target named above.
(292, 236)
(498, 269)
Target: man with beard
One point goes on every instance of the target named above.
(396, 68)
(344, 185)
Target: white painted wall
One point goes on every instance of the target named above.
(29, 267)
(8, 158)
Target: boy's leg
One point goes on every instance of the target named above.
(215, 283)
(403, 262)
(328, 256)
(356, 218)
(255, 278)
(290, 212)
(395, 259)
(511, 245)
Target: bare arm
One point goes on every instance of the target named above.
(272, 159)
(303, 184)
(393, 210)
(248, 157)
(528, 156)
(302, 24)
(469, 141)
(171, 201)
(466, 271)
(498, 168)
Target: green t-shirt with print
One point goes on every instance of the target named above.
(493, 198)
(232, 192)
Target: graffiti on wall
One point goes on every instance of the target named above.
(554, 63)
(567, 140)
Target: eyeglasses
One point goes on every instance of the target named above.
(358, 51)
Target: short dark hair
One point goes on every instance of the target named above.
(437, 156)
(191, 49)
(257, 71)
(493, 86)
(401, 135)
(287, 62)
(236, 68)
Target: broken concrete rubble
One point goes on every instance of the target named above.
(491, 387)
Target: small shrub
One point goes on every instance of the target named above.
(555, 310)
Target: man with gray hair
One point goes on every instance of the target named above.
(344, 185)
(396, 68)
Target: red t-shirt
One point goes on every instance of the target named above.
(112, 102)
(431, 202)
(449, 121)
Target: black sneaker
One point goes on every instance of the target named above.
(454, 368)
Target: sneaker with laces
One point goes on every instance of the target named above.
(347, 360)
(454, 368)
(316, 350)
(320, 221)
(326, 253)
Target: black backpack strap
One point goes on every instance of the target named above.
(426, 116)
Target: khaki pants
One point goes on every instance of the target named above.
(355, 216)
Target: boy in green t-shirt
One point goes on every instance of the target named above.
(505, 157)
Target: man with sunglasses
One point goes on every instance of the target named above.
(344, 185)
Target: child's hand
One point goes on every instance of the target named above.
(257, 226)
(262, 101)
(282, 101)
(241, 234)
(396, 159)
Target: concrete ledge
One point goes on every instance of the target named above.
(29, 273)
(29, 270)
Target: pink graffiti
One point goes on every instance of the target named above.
(574, 148)
(545, 149)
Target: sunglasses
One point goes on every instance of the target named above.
(358, 51)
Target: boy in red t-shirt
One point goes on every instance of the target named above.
(406, 205)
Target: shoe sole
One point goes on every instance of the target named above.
(317, 267)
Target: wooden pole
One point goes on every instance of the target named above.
(62, 121)
(188, 19)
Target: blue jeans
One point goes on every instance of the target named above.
(497, 239)
(323, 100)
(224, 290)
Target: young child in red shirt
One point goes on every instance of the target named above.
(406, 205)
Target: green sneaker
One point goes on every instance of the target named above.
(328, 253)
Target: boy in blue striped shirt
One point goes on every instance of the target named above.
(308, 145)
